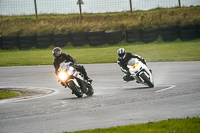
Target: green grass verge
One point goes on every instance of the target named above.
(7, 94)
(187, 125)
(152, 52)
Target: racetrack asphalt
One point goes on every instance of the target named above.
(176, 95)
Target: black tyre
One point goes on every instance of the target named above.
(114, 41)
(78, 34)
(76, 90)
(60, 40)
(147, 80)
(59, 44)
(44, 41)
(27, 41)
(97, 38)
(79, 43)
(189, 32)
(150, 35)
(96, 33)
(170, 38)
(131, 40)
(90, 90)
(130, 32)
(9, 42)
(169, 28)
(113, 34)
(96, 43)
(43, 45)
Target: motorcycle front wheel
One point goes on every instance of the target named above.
(76, 90)
(147, 80)
(90, 90)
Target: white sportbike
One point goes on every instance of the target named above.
(73, 79)
(140, 72)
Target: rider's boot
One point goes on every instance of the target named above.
(150, 70)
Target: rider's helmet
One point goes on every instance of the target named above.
(57, 52)
(121, 52)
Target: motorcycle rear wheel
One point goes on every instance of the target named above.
(76, 90)
(147, 80)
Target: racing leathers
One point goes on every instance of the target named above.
(67, 58)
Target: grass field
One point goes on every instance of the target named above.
(187, 125)
(152, 52)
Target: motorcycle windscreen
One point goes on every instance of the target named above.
(131, 62)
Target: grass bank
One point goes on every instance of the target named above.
(57, 23)
(187, 125)
(152, 52)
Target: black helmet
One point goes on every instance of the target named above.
(57, 52)
(121, 52)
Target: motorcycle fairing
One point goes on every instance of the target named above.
(136, 68)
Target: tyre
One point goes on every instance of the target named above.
(44, 40)
(97, 38)
(79, 43)
(27, 41)
(79, 38)
(170, 38)
(113, 34)
(171, 33)
(150, 35)
(96, 33)
(133, 35)
(59, 44)
(78, 34)
(131, 40)
(169, 28)
(189, 32)
(60, 40)
(96, 43)
(9, 42)
(147, 80)
(76, 90)
(90, 90)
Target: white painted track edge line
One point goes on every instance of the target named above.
(166, 88)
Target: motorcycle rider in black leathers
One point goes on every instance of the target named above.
(123, 59)
(61, 57)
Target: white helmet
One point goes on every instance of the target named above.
(121, 52)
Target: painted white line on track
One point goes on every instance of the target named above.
(166, 88)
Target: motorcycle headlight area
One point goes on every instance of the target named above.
(62, 75)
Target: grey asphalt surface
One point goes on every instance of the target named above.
(176, 95)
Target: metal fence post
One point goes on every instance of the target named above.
(131, 6)
(79, 1)
(179, 2)
(35, 8)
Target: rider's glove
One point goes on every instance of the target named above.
(71, 64)
(143, 61)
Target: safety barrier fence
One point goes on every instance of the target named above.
(97, 38)
(27, 7)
